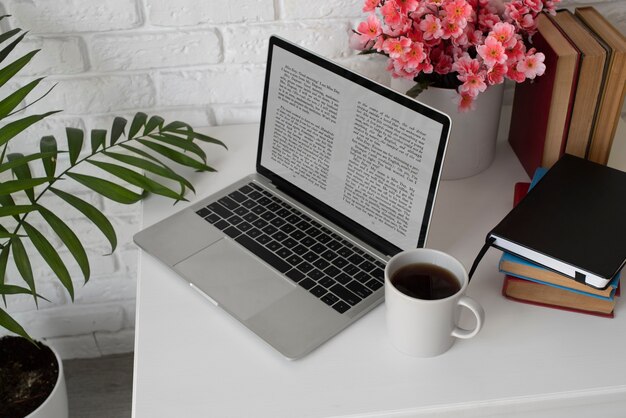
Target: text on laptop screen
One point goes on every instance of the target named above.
(359, 152)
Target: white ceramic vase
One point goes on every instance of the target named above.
(472, 143)
(56, 404)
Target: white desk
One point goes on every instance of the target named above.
(193, 360)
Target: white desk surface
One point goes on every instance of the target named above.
(193, 360)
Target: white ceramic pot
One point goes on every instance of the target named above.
(472, 143)
(56, 404)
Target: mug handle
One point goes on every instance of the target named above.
(478, 312)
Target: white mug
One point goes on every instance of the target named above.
(427, 328)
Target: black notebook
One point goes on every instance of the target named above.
(573, 221)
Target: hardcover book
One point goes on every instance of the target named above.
(612, 98)
(588, 87)
(552, 297)
(572, 221)
(542, 108)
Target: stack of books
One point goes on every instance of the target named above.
(575, 106)
(563, 241)
(528, 282)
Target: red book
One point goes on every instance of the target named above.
(542, 107)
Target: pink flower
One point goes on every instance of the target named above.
(458, 11)
(472, 84)
(532, 65)
(370, 29)
(431, 27)
(466, 65)
(395, 47)
(496, 74)
(465, 102)
(391, 14)
(408, 5)
(370, 5)
(504, 33)
(415, 55)
(492, 52)
(451, 29)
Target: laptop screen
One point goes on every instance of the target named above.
(360, 154)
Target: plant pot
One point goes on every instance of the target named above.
(55, 404)
(472, 144)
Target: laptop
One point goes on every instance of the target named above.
(346, 176)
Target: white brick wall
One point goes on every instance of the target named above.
(197, 61)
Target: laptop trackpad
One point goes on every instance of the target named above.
(236, 280)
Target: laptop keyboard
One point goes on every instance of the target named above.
(317, 259)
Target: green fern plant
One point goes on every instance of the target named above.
(125, 152)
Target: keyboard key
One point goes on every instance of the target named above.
(340, 262)
(273, 246)
(245, 189)
(345, 294)
(249, 204)
(255, 186)
(268, 216)
(326, 282)
(297, 234)
(232, 232)
(287, 228)
(237, 196)
(253, 233)
(241, 211)
(332, 271)
(265, 254)
(300, 249)
(321, 263)
(379, 274)
(367, 266)
(318, 291)
(318, 248)
(307, 283)
(279, 236)
(258, 209)
(329, 299)
(333, 245)
(343, 278)
(220, 210)
(329, 255)
(212, 218)
(295, 275)
(315, 274)
(303, 225)
(374, 284)
(308, 241)
(283, 252)
(221, 224)
(235, 219)
(228, 203)
(250, 217)
(294, 260)
(203, 212)
(362, 277)
(278, 222)
(356, 259)
(324, 238)
(263, 239)
(273, 207)
(310, 256)
(345, 252)
(259, 223)
(341, 306)
(359, 289)
(313, 231)
(244, 226)
(264, 201)
(254, 195)
(270, 229)
(290, 242)
(304, 267)
(351, 269)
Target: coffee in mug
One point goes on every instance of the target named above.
(425, 281)
(424, 289)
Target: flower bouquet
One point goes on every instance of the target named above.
(466, 45)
